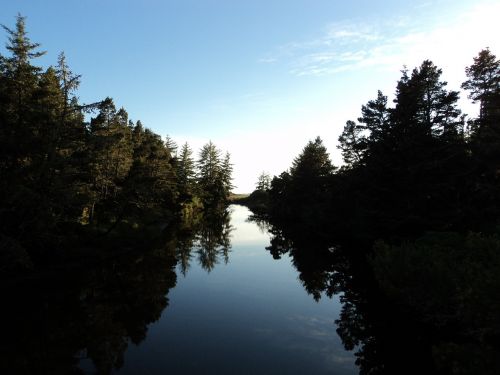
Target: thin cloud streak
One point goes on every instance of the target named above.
(349, 46)
(268, 60)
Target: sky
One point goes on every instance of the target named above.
(258, 78)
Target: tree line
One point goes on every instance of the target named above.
(414, 213)
(69, 169)
(420, 164)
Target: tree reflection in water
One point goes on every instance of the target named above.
(73, 322)
(385, 339)
(261, 222)
(48, 328)
(208, 238)
(87, 318)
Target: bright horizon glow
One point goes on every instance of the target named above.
(258, 79)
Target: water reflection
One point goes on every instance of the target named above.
(91, 316)
(385, 338)
(251, 316)
(260, 221)
(322, 270)
(95, 318)
(83, 321)
(206, 238)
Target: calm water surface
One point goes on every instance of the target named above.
(250, 315)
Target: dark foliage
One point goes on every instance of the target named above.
(71, 172)
(415, 211)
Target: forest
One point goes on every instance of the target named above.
(73, 173)
(412, 214)
(406, 231)
(418, 165)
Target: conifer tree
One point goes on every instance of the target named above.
(210, 185)
(483, 82)
(227, 175)
(171, 146)
(19, 84)
(150, 189)
(375, 117)
(423, 105)
(312, 164)
(186, 173)
(352, 143)
(21, 150)
(214, 176)
(263, 182)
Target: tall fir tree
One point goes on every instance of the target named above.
(186, 173)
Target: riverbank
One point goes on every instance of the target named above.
(257, 201)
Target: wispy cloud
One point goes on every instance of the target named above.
(391, 43)
(342, 46)
(346, 33)
(267, 60)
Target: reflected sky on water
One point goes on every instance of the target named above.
(251, 315)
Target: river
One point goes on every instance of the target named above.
(209, 300)
(250, 314)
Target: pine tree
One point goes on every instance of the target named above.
(352, 143)
(483, 83)
(263, 182)
(110, 156)
(19, 84)
(210, 185)
(214, 177)
(310, 177)
(171, 146)
(227, 175)
(150, 190)
(186, 172)
(375, 117)
(423, 105)
(23, 137)
(312, 164)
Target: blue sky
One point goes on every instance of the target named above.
(259, 78)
